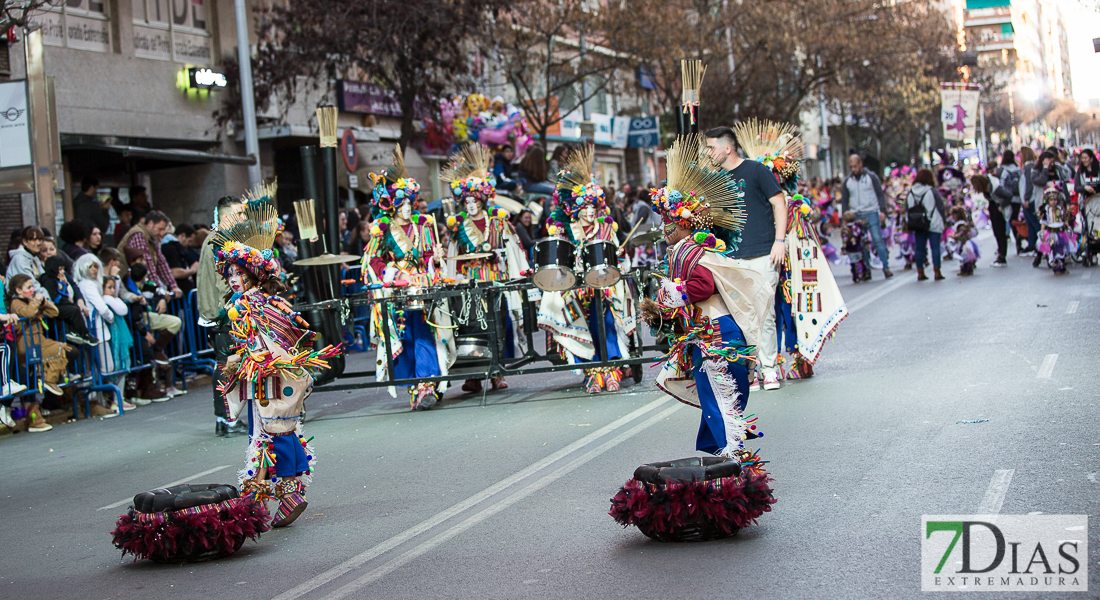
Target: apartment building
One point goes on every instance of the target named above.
(1029, 37)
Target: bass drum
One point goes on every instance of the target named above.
(600, 264)
(555, 259)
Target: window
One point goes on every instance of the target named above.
(77, 24)
(172, 30)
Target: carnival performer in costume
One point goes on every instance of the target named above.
(480, 229)
(401, 255)
(569, 318)
(962, 241)
(716, 310)
(1056, 238)
(271, 371)
(897, 188)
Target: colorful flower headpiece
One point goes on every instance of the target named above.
(574, 200)
(382, 224)
(454, 221)
(262, 264)
(480, 189)
(389, 196)
(687, 211)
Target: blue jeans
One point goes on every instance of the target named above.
(1032, 225)
(923, 239)
(871, 218)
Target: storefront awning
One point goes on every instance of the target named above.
(165, 154)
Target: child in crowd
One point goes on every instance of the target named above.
(89, 278)
(122, 341)
(1056, 237)
(55, 356)
(962, 240)
(9, 388)
(164, 326)
(64, 296)
(125, 214)
(854, 236)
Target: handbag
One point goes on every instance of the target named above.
(916, 218)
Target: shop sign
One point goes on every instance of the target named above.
(15, 137)
(206, 78)
(644, 132)
(368, 98)
(152, 43)
(189, 48)
(88, 34)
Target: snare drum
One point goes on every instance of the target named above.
(554, 261)
(415, 303)
(600, 264)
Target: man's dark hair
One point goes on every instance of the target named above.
(155, 216)
(226, 201)
(88, 182)
(1008, 158)
(138, 272)
(106, 255)
(135, 190)
(73, 232)
(724, 134)
(184, 229)
(32, 233)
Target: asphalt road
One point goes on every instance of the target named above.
(510, 500)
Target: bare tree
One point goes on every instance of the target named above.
(18, 12)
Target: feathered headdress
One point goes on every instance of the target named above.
(468, 173)
(577, 187)
(393, 186)
(244, 238)
(777, 145)
(698, 196)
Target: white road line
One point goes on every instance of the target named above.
(484, 515)
(167, 485)
(1047, 368)
(995, 493)
(1072, 308)
(372, 553)
(870, 297)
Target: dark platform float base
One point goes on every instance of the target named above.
(692, 499)
(189, 523)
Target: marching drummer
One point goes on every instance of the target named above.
(486, 244)
(570, 318)
(400, 256)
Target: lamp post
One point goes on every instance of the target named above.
(248, 98)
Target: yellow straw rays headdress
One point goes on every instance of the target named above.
(245, 237)
(396, 170)
(776, 145)
(689, 171)
(577, 168)
(472, 160)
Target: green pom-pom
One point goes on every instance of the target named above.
(700, 237)
(384, 220)
(798, 197)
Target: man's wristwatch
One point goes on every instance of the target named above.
(782, 241)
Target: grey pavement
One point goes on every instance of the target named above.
(510, 500)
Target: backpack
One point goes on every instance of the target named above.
(1009, 188)
(916, 218)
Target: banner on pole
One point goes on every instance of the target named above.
(959, 110)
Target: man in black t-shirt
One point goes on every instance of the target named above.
(181, 259)
(763, 241)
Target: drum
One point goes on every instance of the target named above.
(469, 315)
(554, 261)
(415, 303)
(600, 264)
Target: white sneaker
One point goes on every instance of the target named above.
(140, 401)
(127, 406)
(5, 417)
(771, 381)
(173, 392)
(754, 385)
(13, 388)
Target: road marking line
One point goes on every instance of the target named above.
(372, 553)
(1047, 368)
(167, 485)
(870, 297)
(484, 515)
(995, 493)
(1087, 275)
(1072, 308)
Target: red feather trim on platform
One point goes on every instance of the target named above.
(182, 536)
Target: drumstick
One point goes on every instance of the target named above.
(631, 234)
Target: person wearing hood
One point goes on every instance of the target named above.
(24, 259)
(65, 295)
(925, 194)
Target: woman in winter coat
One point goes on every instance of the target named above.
(924, 193)
(1087, 180)
(1006, 209)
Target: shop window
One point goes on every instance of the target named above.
(172, 30)
(77, 24)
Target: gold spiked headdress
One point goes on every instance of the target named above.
(245, 237)
(697, 195)
(777, 145)
(468, 173)
(577, 187)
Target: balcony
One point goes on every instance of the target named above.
(987, 16)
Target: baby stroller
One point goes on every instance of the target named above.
(1090, 229)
